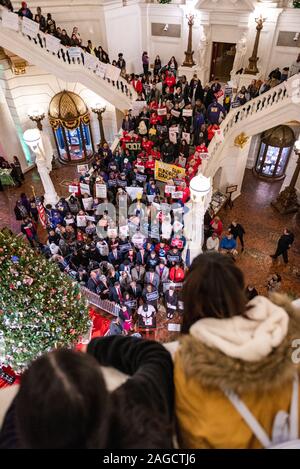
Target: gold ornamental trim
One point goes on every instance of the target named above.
(241, 140)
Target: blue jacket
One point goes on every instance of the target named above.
(214, 111)
(228, 243)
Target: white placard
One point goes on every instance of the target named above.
(162, 112)
(170, 189)
(101, 191)
(52, 43)
(101, 69)
(175, 129)
(30, 28)
(174, 327)
(90, 61)
(186, 136)
(73, 189)
(81, 220)
(85, 188)
(140, 168)
(75, 52)
(112, 72)
(150, 198)
(177, 195)
(187, 112)
(124, 230)
(10, 20)
(175, 113)
(90, 218)
(87, 203)
(133, 192)
(82, 168)
(177, 226)
(69, 221)
(112, 232)
(181, 161)
(172, 136)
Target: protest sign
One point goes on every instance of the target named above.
(172, 136)
(133, 146)
(150, 198)
(81, 220)
(187, 112)
(153, 296)
(90, 218)
(186, 136)
(140, 168)
(30, 28)
(82, 168)
(162, 128)
(164, 171)
(162, 111)
(85, 188)
(125, 247)
(90, 61)
(170, 189)
(133, 192)
(73, 189)
(52, 43)
(141, 177)
(112, 232)
(101, 69)
(75, 52)
(174, 327)
(175, 113)
(177, 195)
(87, 203)
(101, 191)
(112, 72)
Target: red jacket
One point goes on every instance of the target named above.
(147, 146)
(156, 154)
(138, 86)
(170, 82)
(176, 275)
(150, 165)
(186, 194)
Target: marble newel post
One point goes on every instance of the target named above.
(34, 139)
(201, 192)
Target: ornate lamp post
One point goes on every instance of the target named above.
(99, 110)
(33, 139)
(252, 67)
(287, 201)
(37, 116)
(189, 61)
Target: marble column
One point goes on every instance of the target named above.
(10, 140)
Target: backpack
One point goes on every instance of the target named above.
(285, 432)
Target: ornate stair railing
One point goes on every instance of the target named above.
(120, 87)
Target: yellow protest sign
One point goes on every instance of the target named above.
(164, 171)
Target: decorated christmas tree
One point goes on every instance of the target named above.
(40, 307)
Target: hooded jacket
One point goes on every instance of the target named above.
(205, 416)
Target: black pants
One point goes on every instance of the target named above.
(241, 238)
(146, 69)
(284, 254)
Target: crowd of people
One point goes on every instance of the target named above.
(230, 380)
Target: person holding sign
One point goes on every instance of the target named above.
(150, 295)
(171, 300)
(147, 317)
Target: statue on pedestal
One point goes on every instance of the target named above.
(202, 48)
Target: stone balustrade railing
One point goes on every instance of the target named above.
(288, 90)
(64, 56)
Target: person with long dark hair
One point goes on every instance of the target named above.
(232, 352)
(64, 403)
(145, 62)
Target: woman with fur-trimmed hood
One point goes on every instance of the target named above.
(231, 346)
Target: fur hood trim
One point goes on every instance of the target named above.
(212, 368)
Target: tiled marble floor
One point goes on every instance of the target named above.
(263, 226)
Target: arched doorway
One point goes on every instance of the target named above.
(70, 120)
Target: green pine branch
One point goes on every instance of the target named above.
(40, 307)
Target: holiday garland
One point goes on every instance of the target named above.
(40, 307)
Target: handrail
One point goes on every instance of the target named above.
(274, 96)
(120, 85)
